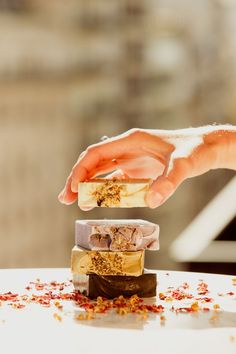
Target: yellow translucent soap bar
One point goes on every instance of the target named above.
(113, 193)
(107, 263)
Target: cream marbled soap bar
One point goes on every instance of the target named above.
(113, 193)
(107, 263)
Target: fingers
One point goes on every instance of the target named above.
(119, 174)
(103, 168)
(139, 167)
(102, 158)
(96, 154)
(142, 167)
(136, 142)
(164, 186)
(67, 196)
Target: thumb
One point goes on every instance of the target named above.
(165, 185)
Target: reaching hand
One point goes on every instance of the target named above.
(167, 157)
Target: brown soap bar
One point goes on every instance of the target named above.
(113, 286)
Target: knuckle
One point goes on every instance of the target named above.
(82, 155)
(168, 185)
(183, 164)
(165, 183)
(135, 132)
(95, 151)
(73, 171)
(91, 149)
(180, 171)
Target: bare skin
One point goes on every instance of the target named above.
(167, 156)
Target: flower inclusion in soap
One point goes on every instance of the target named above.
(106, 262)
(113, 193)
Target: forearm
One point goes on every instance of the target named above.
(209, 147)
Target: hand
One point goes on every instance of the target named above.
(167, 157)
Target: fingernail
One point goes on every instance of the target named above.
(74, 186)
(61, 196)
(154, 199)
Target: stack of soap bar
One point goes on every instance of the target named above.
(113, 193)
(116, 235)
(111, 286)
(108, 258)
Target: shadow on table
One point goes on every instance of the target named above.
(167, 320)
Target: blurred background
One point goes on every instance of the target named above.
(73, 71)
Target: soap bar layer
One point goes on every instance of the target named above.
(81, 283)
(114, 286)
(116, 235)
(113, 193)
(107, 263)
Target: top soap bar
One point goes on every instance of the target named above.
(113, 193)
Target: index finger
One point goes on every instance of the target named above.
(134, 139)
(87, 161)
(97, 153)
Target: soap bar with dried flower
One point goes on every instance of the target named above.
(116, 235)
(107, 263)
(113, 193)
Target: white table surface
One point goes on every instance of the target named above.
(34, 329)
